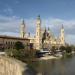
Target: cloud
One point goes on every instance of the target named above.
(17, 2)
(11, 26)
(70, 39)
(8, 10)
(55, 24)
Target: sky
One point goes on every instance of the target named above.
(53, 14)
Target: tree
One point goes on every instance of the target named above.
(62, 48)
(68, 49)
(53, 50)
(18, 45)
(73, 47)
(18, 51)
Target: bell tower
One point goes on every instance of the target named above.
(22, 29)
(62, 38)
(38, 33)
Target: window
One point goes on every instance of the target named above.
(6, 42)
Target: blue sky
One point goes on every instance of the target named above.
(53, 13)
(64, 9)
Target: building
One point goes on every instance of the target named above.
(43, 38)
(8, 42)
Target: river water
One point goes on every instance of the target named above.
(63, 66)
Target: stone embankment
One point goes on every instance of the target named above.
(10, 66)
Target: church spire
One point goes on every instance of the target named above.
(38, 17)
(22, 29)
(38, 33)
(62, 36)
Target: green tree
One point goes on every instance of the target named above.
(68, 49)
(18, 51)
(62, 48)
(18, 45)
(73, 47)
(53, 50)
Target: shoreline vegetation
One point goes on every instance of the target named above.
(21, 53)
(49, 57)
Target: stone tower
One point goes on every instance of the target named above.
(62, 36)
(38, 40)
(22, 29)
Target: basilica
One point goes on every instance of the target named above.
(43, 38)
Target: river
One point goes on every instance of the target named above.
(63, 66)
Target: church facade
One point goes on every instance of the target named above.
(43, 38)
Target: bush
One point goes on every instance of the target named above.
(53, 50)
(19, 52)
(62, 48)
(68, 49)
(18, 45)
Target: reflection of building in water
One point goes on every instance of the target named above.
(44, 38)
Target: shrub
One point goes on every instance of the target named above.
(62, 48)
(18, 45)
(68, 49)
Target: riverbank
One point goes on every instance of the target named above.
(50, 57)
(57, 56)
(44, 58)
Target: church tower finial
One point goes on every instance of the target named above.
(23, 22)
(38, 17)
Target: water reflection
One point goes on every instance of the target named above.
(64, 66)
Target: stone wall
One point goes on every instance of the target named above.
(10, 66)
